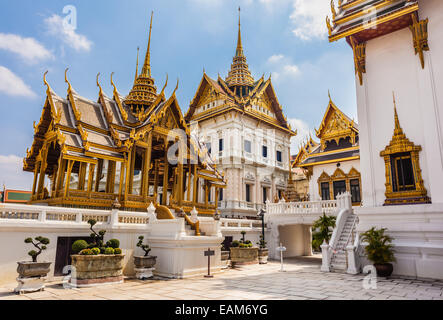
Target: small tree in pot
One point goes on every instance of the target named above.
(144, 264)
(379, 250)
(32, 274)
(262, 251)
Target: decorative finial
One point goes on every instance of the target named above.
(176, 87)
(239, 51)
(166, 84)
(44, 80)
(329, 95)
(146, 71)
(136, 65)
(66, 79)
(98, 84)
(397, 122)
(112, 82)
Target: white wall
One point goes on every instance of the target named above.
(391, 65)
(296, 239)
(329, 168)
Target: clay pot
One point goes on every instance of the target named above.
(384, 269)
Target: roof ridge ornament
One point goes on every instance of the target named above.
(67, 81)
(46, 82)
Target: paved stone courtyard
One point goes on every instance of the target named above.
(302, 280)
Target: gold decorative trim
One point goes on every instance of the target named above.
(399, 145)
(359, 51)
(339, 175)
(419, 31)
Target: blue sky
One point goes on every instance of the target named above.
(285, 38)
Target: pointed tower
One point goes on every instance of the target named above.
(144, 92)
(239, 78)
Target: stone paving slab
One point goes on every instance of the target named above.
(302, 280)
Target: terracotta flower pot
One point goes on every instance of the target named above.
(384, 269)
(240, 256)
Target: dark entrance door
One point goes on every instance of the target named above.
(64, 251)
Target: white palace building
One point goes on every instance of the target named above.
(398, 49)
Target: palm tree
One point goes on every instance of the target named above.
(323, 229)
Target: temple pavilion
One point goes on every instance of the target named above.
(120, 151)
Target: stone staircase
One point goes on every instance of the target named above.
(338, 259)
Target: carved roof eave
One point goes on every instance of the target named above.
(333, 108)
(205, 80)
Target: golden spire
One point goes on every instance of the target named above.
(136, 66)
(239, 51)
(146, 71)
(239, 74)
(144, 92)
(398, 130)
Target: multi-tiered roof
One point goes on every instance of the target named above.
(367, 19)
(240, 92)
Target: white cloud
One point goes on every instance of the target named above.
(68, 35)
(282, 67)
(303, 132)
(12, 174)
(29, 49)
(309, 18)
(13, 85)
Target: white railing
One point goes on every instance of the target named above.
(315, 207)
(245, 224)
(46, 214)
(238, 204)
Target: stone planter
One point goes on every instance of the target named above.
(32, 276)
(97, 270)
(242, 256)
(144, 266)
(263, 256)
(225, 259)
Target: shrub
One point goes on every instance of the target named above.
(379, 248)
(79, 245)
(262, 243)
(95, 251)
(113, 243)
(109, 251)
(102, 250)
(86, 252)
(97, 237)
(323, 228)
(235, 244)
(144, 247)
(117, 251)
(40, 243)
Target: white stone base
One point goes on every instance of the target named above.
(418, 236)
(144, 273)
(30, 285)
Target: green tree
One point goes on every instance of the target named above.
(379, 248)
(322, 228)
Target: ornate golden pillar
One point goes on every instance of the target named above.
(43, 166)
(110, 177)
(156, 176)
(146, 168)
(131, 170)
(122, 179)
(68, 176)
(36, 173)
(165, 176)
(98, 175)
(195, 194)
(91, 176)
(82, 175)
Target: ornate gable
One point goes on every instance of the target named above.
(335, 126)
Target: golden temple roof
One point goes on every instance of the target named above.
(367, 19)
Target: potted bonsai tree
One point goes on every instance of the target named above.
(224, 255)
(262, 251)
(379, 250)
(32, 274)
(144, 264)
(97, 262)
